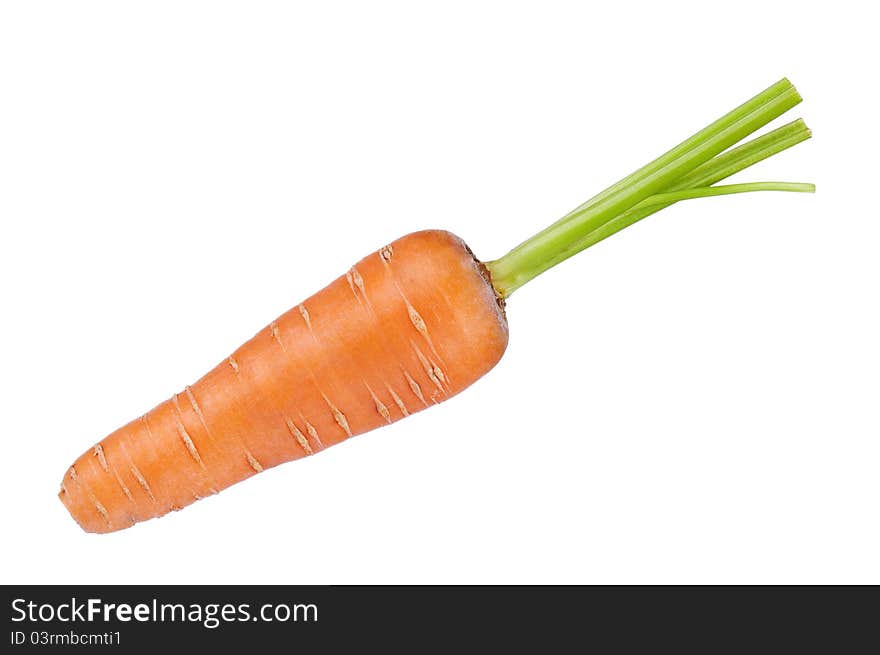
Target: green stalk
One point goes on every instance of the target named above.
(745, 155)
(526, 261)
(727, 189)
(717, 169)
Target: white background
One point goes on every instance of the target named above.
(692, 401)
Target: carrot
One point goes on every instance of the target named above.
(407, 327)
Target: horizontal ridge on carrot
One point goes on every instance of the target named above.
(407, 327)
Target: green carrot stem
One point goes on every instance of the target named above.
(525, 261)
(745, 155)
(728, 189)
(719, 168)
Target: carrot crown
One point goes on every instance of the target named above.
(687, 171)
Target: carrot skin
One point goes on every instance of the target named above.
(407, 327)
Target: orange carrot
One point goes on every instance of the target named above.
(405, 328)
